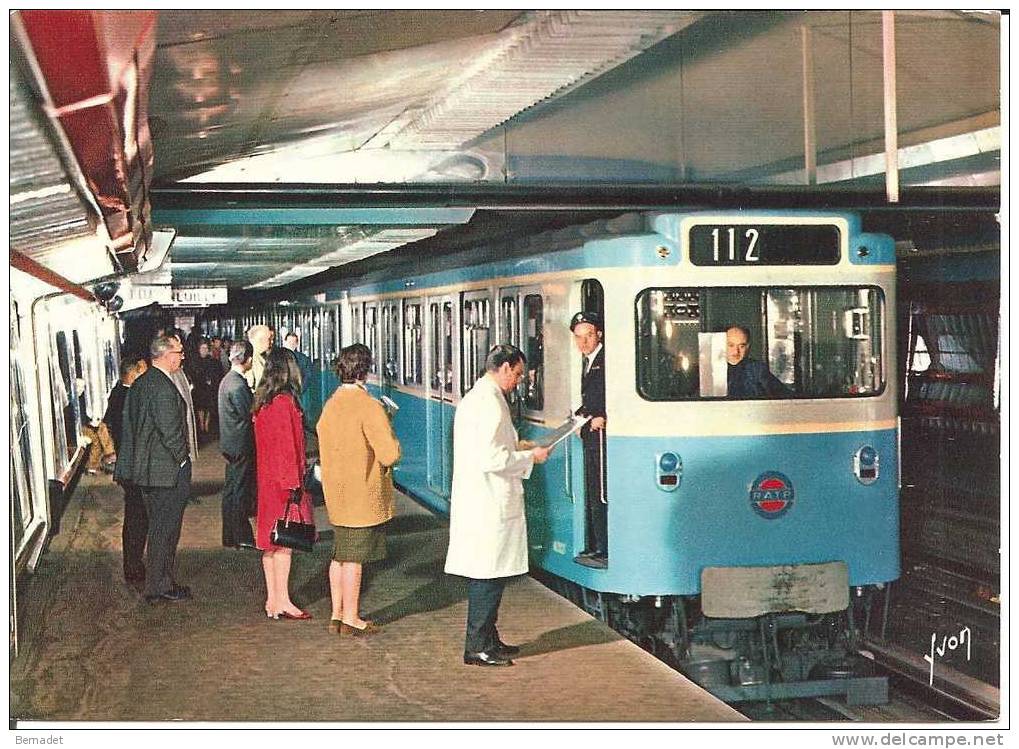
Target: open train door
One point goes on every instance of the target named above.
(588, 395)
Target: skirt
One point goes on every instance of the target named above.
(359, 544)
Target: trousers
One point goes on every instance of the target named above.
(483, 599)
(595, 499)
(165, 508)
(134, 532)
(238, 493)
(101, 446)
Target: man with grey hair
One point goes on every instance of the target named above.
(260, 337)
(237, 444)
(154, 456)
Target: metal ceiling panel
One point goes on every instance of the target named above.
(272, 83)
(371, 32)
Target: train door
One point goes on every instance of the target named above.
(441, 387)
(591, 512)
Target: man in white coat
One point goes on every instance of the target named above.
(487, 527)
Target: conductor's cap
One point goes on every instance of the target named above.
(592, 318)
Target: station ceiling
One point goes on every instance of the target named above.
(514, 98)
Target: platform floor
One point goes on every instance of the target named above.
(91, 649)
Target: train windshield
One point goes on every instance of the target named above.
(760, 343)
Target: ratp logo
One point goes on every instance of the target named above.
(771, 495)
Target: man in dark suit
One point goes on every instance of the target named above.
(747, 377)
(154, 456)
(587, 333)
(136, 522)
(237, 444)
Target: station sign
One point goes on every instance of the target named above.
(141, 295)
(199, 296)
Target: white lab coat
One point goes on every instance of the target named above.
(487, 527)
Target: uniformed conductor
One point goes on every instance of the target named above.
(587, 332)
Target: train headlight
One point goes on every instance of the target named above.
(866, 465)
(668, 471)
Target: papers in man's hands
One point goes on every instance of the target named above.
(563, 431)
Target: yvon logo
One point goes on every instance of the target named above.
(771, 495)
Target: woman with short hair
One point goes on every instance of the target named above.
(357, 448)
(280, 464)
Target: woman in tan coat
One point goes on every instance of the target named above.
(357, 448)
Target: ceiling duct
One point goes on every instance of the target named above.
(551, 53)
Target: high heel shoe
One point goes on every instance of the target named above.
(369, 628)
(334, 626)
(271, 615)
(287, 615)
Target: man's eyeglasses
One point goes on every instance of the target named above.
(181, 352)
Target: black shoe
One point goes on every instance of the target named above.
(595, 562)
(486, 658)
(506, 651)
(176, 593)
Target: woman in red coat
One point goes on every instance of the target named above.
(280, 463)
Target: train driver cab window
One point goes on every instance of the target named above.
(476, 340)
(804, 342)
(413, 343)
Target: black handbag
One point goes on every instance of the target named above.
(293, 533)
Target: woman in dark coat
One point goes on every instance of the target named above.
(205, 373)
(280, 465)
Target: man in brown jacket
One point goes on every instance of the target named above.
(357, 447)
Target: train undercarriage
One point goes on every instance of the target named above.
(770, 657)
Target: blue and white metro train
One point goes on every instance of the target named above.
(747, 536)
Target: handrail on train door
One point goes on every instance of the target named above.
(568, 464)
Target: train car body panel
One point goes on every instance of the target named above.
(661, 541)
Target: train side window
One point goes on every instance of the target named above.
(390, 364)
(509, 319)
(441, 339)
(21, 446)
(328, 335)
(534, 349)
(356, 323)
(412, 343)
(65, 399)
(371, 334)
(476, 339)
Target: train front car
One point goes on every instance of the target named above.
(751, 457)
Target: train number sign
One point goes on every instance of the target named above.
(763, 244)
